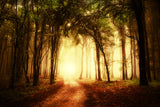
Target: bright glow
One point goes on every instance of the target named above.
(88, 12)
(67, 66)
(117, 57)
(71, 63)
(116, 33)
(69, 24)
(69, 70)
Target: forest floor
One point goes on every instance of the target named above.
(121, 94)
(82, 93)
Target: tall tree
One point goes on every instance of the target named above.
(35, 65)
(15, 50)
(139, 12)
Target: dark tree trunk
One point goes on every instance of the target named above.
(139, 12)
(54, 42)
(52, 51)
(98, 41)
(52, 56)
(98, 62)
(153, 59)
(27, 49)
(27, 45)
(106, 65)
(56, 53)
(148, 60)
(100, 46)
(15, 51)
(35, 66)
(95, 70)
(131, 58)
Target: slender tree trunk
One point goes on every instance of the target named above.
(148, 60)
(53, 53)
(15, 52)
(106, 65)
(95, 70)
(82, 62)
(98, 62)
(124, 73)
(98, 41)
(35, 67)
(56, 53)
(52, 56)
(27, 49)
(131, 41)
(27, 45)
(40, 52)
(55, 63)
(153, 59)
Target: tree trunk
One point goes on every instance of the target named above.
(56, 53)
(148, 60)
(98, 62)
(52, 56)
(134, 55)
(124, 65)
(104, 56)
(35, 66)
(82, 60)
(98, 40)
(15, 52)
(139, 12)
(131, 41)
(86, 42)
(53, 53)
(153, 59)
(27, 49)
(95, 69)
(36, 54)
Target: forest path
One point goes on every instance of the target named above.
(72, 94)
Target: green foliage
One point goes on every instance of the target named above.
(121, 19)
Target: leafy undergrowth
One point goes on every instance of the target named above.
(121, 94)
(28, 95)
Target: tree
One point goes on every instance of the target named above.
(139, 12)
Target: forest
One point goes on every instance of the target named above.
(96, 45)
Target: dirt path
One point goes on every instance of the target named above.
(71, 95)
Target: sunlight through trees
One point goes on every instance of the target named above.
(106, 40)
